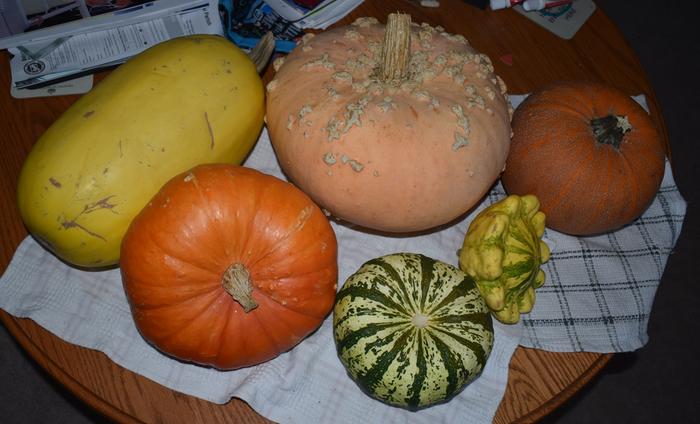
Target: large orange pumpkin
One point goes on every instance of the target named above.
(590, 154)
(229, 267)
(398, 130)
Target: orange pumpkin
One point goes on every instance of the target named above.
(393, 128)
(590, 154)
(229, 267)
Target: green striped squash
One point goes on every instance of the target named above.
(410, 330)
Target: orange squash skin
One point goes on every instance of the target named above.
(201, 222)
(585, 187)
(394, 158)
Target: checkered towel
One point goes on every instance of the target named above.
(599, 290)
(597, 297)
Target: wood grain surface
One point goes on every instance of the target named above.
(538, 382)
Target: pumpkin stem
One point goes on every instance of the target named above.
(396, 48)
(610, 129)
(236, 282)
(260, 54)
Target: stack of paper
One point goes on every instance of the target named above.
(47, 55)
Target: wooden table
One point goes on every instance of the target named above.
(539, 381)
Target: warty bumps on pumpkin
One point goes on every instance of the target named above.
(391, 139)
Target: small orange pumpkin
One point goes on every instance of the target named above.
(590, 154)
(229, 267)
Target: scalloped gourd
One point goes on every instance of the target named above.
(503, 252)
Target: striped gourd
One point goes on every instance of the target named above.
(410, 330)
(503, 252)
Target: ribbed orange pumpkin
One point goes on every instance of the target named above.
(229, 267)
(386, 139)
(590, 154)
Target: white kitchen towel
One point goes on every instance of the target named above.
(597, 297)
(306, 384)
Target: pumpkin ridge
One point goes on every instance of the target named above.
(273, 247)
(583, 113)
(289, 277)
(570, 184)
(303, 253)
(263, 325)
(155, 307)
(542, 136)
(167, 251)
(194, 177)
(588, 220)
(245, 174)
(269, 334)
(165, 336)
(261, 292)
(223, 331)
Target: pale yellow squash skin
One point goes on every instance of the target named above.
(191, 100)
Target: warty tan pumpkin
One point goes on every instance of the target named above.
(398, 130)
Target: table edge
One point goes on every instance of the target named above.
(60, 376)
(109, 411)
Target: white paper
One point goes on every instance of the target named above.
(322, 16)
(105, 40)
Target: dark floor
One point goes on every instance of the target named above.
(658, 383)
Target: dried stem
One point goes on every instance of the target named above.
(261, 52)
(236, 281)
(396, 49)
